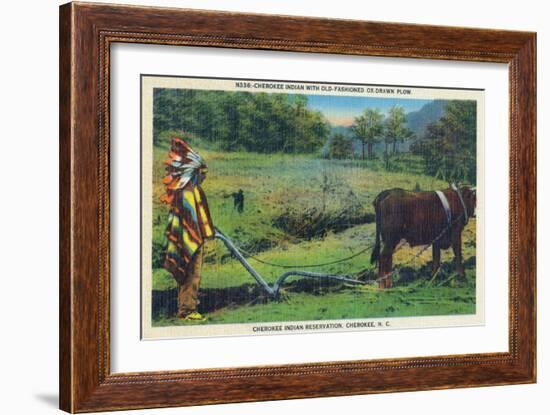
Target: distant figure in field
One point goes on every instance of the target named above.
(238, 200)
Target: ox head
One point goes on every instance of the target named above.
(469, 197)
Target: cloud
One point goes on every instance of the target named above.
(345, 121)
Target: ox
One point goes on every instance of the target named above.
(421, 218)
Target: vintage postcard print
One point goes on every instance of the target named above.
(276, 207)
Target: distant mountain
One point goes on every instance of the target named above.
(341, 129)
(417, 121)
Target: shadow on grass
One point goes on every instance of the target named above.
(164, 302)
(211, 299)
(408, 275)
(447, 272)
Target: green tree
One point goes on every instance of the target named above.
(395, 131)
(449, 145)
(176, 110)
(340, 147)
(367, 127)
(234, 121)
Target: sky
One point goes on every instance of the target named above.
(340, 110)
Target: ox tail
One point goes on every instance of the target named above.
(376, 250)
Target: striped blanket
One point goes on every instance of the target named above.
(189, 221)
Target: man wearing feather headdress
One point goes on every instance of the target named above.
(189, 223)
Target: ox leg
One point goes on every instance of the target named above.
(457, 250)
(386, 265)
(436, 261)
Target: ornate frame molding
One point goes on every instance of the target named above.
(86, 33)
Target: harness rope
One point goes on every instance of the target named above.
(459, 193)
(438, 237)
(273, 264)
(424, 249)
(274, 290)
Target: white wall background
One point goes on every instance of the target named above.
(29, 228)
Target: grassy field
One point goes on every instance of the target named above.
(282, 195)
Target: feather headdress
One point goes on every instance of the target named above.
(183, 165)
(189, 221)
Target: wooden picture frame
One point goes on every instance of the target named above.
(87, 32)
